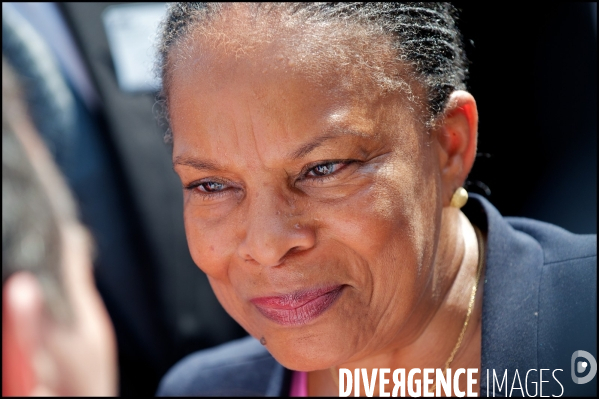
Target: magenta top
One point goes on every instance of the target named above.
(299, 384)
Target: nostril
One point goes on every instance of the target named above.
(292, 251)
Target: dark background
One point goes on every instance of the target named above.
(533, 74)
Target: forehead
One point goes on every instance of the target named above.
(294, 76)
(273, 36)
(271, 110)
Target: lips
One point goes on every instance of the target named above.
(299, 307)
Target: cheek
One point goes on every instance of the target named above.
(382, 216)
(238, 309)
(211, 242)
(390, 227)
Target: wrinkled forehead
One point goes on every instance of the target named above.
(270, 38)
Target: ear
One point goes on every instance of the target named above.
(456, 137)
(22, 313)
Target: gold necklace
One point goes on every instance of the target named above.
(481, 259)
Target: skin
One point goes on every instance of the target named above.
(43, 356)
(248, 132)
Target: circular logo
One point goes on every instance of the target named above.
(582, 366)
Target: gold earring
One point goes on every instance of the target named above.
(460, 197)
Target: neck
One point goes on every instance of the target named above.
(440, 315)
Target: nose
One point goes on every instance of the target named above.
(274, 231)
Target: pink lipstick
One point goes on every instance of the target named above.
(299, 307)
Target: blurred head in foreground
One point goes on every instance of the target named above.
(56, 334)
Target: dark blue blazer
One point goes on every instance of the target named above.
(539, 307)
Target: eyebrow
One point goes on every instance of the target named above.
(301, 152)
(313, 144)
(195, 163)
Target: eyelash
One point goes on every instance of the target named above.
(194, 186)
(324, 178)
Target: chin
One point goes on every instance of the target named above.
(299, 362)
(307, 353)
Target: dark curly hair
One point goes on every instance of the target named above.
(423, 36)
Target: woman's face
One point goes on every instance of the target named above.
(311, 201)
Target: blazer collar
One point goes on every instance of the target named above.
(513, 262)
